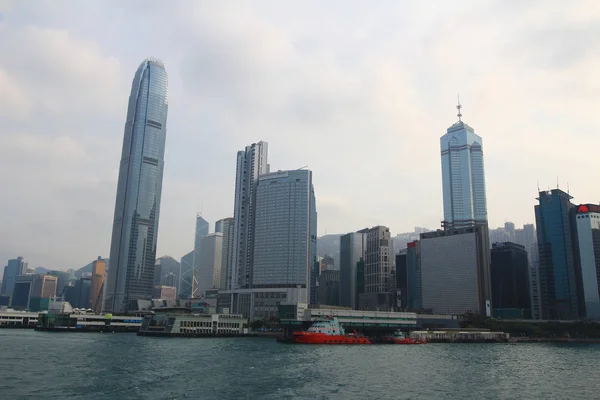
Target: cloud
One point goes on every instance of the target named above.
(13, 101)
(62, 148)
(60, 73)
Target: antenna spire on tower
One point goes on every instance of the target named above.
(458, 107)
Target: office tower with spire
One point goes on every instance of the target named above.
(190, 262)
(251, 163)
(135, 226)
(463, 177)
(455, 262)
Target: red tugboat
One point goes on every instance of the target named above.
(400, 337)
(328, 331)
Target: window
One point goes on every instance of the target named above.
(154, 124)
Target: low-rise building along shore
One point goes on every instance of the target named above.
(181, 322)
(462, 335)
(10, 318)
(87, 322)
(297, 316)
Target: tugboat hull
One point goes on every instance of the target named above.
(320, 338)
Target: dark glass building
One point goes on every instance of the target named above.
(135, 226)
(413, 275)
(401, 281)
(352, 268)
(78, 295)
(22, 292)
(329, 288)
(557, 270)
(510, 281)
(13, 269)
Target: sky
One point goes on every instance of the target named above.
(360, 92)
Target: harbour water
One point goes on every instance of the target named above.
(45, 365)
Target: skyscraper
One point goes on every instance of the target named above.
(98, 271)
(352, 252)
(509, 269)
(14, 268)
(33, 292)
(557, 271)
(285, 241)
(187, 276)
(463, 178)
(167, 271)
(586, 219)
(202, 227)
(379, 272)
(413, 274)
(455, 271)
(135, 227)
(251, 163)
(225, 226)
(208, 271)
(189, 263)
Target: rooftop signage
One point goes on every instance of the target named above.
(587, 208)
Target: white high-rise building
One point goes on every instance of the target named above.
(463, 177)
(285, 264)
(285, 232)
(225, 226)
(251, 163)
(587, 220)
(209, 263)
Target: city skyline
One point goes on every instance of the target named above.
(315, 110)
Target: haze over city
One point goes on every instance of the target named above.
(360, 97)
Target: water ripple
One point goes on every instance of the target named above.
(42, 365)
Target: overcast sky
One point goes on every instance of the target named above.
(360, 92)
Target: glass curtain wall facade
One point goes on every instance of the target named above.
(510, 281)
(413, 273)
(135, 227)
(352, 252)
(587, 223)
(14, 268)
(225, 226)
(251, 163)
(285, 232)
(463, 178)
(557, 276)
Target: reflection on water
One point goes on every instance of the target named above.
(44, 365)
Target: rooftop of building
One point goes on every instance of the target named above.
(153, 60)
(507, 245)
(452, 232)
(458, 126)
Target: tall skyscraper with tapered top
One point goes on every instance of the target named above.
(463, 178)
(135, 226)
